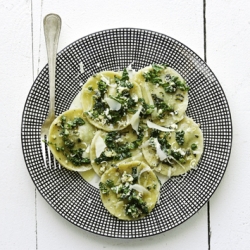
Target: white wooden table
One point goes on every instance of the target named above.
(218, 31)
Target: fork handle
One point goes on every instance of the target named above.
(52, 28)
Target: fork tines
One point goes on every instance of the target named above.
(49, 159)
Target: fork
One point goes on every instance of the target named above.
(52, 27)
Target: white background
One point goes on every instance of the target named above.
(217, 29)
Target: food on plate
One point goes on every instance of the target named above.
(173, 150)
(110, 100)
(129, 191)
(166, 91)
(108, 149)
(130, 129)
(70, 136)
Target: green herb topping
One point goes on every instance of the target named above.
(147, 109)
(153, 75)
(162, 107)
(116, 148)
(179, 136)
(101, 111)
(170, 83)
(135, 205)
(162, 138)
(69, 134)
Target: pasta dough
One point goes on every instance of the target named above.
(129, 191)
(129, 127)
(109, 99)
(70, 136)
(174, 152)
(111, 148)
(166, 90)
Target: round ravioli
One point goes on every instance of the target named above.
(70, 136)
(173, 150)
(166, 91)
(110, 100)
(108, 149)
(129, 191)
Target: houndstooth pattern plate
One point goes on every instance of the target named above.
(181, 197)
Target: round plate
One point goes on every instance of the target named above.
(77, 200)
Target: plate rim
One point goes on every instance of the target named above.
(165, 37)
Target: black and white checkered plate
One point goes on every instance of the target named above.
(78, 201)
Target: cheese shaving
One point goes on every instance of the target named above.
(155, 126)
(113, 104)
(162, 155)
(131, 71)
(146, 169)
(99, 146)
(139, 188)
(104, 79)
(135, 119)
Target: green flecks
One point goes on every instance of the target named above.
(179, 136)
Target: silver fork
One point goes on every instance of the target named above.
(52, 28)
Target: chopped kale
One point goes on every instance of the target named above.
(134, 174)
(162, 107)
(67, 133)
(136, 206)
(173, 83)
(170, 83)
(103, 188)
(76, 158)
(179, 136)
(102, 158)
(101, 110)
(110, 183)
(147, 109)
(177, 155)
(102, 87)
(153, 75)
(122, 150)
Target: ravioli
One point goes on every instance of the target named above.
(129, 191)
(70, 136)
(166, 91)
(111, 148)
(174, 150)
(110, 100)
(130, 129)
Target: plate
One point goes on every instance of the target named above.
(181, 197)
